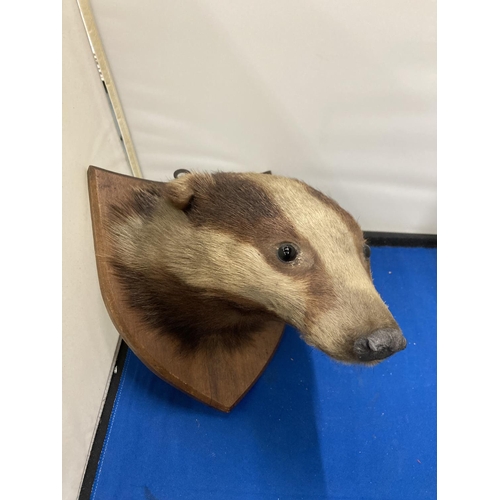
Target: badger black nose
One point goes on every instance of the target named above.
(380, 344)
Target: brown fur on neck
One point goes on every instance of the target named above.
(196, 319)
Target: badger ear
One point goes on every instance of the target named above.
(180, 192)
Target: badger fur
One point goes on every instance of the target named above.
(208, 258)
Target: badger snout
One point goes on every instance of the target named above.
(379, 345)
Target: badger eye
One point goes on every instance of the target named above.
(287, 252)
(367, 251)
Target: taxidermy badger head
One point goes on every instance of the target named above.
(207, 258)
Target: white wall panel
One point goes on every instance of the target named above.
(89, 338)
(340, 94)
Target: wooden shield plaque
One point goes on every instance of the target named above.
(219, 378)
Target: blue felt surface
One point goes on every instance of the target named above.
(310, 428)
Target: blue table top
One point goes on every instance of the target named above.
(310, 428)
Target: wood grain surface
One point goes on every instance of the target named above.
(219, 379)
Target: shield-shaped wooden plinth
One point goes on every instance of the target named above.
(219, 378)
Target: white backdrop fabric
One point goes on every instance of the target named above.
(339, 94)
